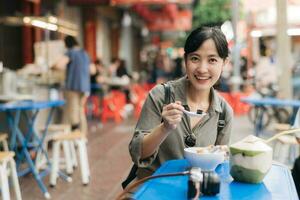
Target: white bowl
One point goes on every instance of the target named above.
(206, 161)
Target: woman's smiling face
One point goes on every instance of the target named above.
(204, 66)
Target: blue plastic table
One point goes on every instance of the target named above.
(263, 102)
(21, 142)
(277, 185)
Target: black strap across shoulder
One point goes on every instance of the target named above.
(167, 93)
(221, 122)
(131, 176)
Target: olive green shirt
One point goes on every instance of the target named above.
(172, 147)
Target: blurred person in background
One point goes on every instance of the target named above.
(98, 74)
(163, 68)
(118, 69)
(266, 72)
(120, 76)
(76, 62)
(179, 69)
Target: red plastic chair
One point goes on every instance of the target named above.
(138, 96)
(148, 86)
(240, 108)
(113, 106)
(92, 106)
(234, 100)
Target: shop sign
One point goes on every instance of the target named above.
(183, 22)
(168, 18)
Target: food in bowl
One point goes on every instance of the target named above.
(250, 160)
(206, 158)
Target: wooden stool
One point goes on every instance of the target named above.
(3, 140)
(8, 165)
(80, 140)
(68, 147)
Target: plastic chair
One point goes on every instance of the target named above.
(68, 147)
(139, 95)
(234, 100)
(240, 108)
(3, 140)
(92, 106)
(8, 168)
(148, 86)
(113, 106)
(81, 141)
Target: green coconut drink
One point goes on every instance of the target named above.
(250, 160)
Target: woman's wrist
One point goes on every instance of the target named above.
(166, 128)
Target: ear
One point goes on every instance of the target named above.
(225, 62)
(184, 62)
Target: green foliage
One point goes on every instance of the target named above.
(211, 12)
(180, 41)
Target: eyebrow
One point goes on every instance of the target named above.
(211, 55)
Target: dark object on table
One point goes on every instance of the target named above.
(205, 183)
(211, 183)
(296, 174)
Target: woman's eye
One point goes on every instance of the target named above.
(213, 60)
(194, 59)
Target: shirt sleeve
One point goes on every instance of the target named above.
(224, 136)
(150, 118)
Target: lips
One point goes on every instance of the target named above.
(202, 78)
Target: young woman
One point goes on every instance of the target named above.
(162, 131)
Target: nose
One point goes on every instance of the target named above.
(202, 67)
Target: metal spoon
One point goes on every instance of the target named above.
(194, 114)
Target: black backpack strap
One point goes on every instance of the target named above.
(131, 176)
(167, 99)
(167, 93)
(221, 122)
(221, 125)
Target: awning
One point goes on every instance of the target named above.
(130, 2)
(168, 18)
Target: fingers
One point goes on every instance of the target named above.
(172, 109)
(172, 114)
(177, 105)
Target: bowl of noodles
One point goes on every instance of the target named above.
(206, 158)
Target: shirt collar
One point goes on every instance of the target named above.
(180, 95)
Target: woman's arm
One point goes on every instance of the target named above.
(150, 131)
(172, 115)
(61, 63)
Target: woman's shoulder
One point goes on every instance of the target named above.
(225, 106)
(158, 89)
